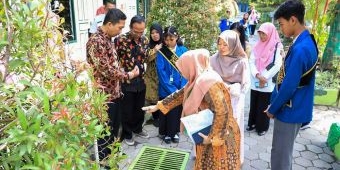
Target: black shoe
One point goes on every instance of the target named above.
(250, 128)
(167, 139)
(262, 133)
(175, 139)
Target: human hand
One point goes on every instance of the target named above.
(134, 73)
(206, 139)
(158, 46)
(271, 116)
(150, 109)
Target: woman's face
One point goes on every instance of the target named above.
(223, 47)
(263, 36)
(155, 35)
(246, 16)
(171, 41)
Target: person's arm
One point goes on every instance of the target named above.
(252, 65)
(277, 64)
(291, 80)
(173, 100)
(163, 77)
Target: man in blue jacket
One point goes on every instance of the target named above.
(225, 23)
(292, 99)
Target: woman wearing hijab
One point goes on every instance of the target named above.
(151, 77)
(205, 89)
(265, 61)
(231, 63)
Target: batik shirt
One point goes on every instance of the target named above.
(132, 54)
(102, 56)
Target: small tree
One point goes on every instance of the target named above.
(48, 120)
(196, 20)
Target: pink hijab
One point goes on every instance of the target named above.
(194, 65)
(264, 51)
(232, 67)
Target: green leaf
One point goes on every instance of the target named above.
(30, 167)
(13, 64)
(22, 118)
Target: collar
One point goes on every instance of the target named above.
(103, 34)
(301, 36)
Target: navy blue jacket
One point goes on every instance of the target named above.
(302, 57)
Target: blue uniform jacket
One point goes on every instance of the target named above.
(302, 57)
(169, 79)
(225, 24)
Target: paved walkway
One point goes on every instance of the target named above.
(310, 150)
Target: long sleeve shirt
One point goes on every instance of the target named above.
(102, 56)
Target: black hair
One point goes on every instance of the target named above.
(114, 16)
(137, 19)
(291, 8)
(105, 2)
(240, 28)
(158, 28)
(172, 31)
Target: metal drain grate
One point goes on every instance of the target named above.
(153, 158)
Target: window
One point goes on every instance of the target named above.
(68, 14)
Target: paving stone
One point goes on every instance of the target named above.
(251, 155)
(299, 147)
(328, 151)
(246, 147)
(313, 168)
(309, 155)
(314, 148)
(298, 167)
(258, 149)
(296, 154)
(259, 164)
(265, 157)
(326, 158)
(250, 141)
(336, 165)
(321, 164)
(303, 162)
(303, 141)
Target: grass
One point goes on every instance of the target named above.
(326, 97)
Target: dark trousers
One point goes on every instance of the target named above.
(169, 124)
(132, 113)
(259, 102)
(252, 29)
(114, 123)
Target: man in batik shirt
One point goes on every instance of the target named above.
(131, 49)
(102, 56)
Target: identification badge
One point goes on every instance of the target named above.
(171, 79)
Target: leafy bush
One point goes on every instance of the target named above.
(48, 120)
(196, 20)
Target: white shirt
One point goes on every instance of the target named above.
(97, 22)
(268, 74)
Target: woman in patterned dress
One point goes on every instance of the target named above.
(205, 89)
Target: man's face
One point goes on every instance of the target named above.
(116, 29)
(228, 14)
(137, 30)
(109, 6)
(286, 27)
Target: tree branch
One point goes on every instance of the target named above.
(9, 38)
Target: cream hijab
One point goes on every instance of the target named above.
(231, 67)
(194, 65)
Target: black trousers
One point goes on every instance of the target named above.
(132, 113)
(259, 102)
(252, 29)
(169, 124)
(114, 123)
